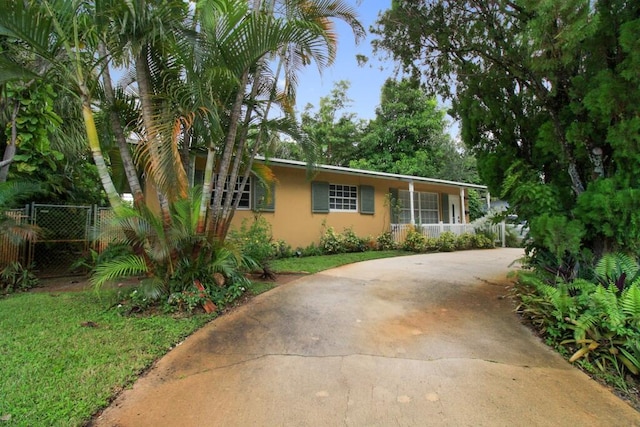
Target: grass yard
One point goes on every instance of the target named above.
(314, 264)
(56, 368)
(65, 355)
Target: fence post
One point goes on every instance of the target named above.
(503, 229)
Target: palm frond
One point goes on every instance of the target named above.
(127, 266)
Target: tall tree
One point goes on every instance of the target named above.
(547, 95)
(57, 34)
(409, 136)
(334, 130)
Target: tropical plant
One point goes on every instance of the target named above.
(386, 242)
(254, 240)
(58, 35)
(617, 269)
(13, 228)
(171, 258)
(593, 324)
(16, 277)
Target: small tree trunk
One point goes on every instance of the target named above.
(10, 150)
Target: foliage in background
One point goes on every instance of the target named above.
(335, 132)
(15, 277)
(409, 137)
(416, 241)
(546, 93)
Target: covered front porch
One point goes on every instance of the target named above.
(435, 213)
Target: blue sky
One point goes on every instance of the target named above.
(366, 81)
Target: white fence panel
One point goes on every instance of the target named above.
(399, 231)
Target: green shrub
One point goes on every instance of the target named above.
(415, 241)
(481, 241)
(332, 242)
(345, 242)
(595, 325)
(281, 249)
(254, 239)
(311, 250)
(464, 241)
(447, 242)
(353, 243)
(385, 242)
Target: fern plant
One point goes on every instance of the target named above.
(617, 268)
(605, 332)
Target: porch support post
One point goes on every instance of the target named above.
(463, 207)
(413, 216)
(488, 201)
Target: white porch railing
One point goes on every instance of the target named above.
(400, 231)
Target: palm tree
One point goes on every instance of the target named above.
(303, 32)
(55, 33)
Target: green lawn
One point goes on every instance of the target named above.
(55, 371)
(314, 264)
(64, 356)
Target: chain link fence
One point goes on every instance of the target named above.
(66, 236)
(10, 250)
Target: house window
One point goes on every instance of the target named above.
(343, 197)
(425, 207)
(244, 194)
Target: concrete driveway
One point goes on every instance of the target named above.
(412, 341)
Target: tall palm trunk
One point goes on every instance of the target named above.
(217, 222)
(116, 127)
(147, 113)
(94, 144)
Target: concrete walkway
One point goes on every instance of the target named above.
(413, 341)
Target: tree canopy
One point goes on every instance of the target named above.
(409, 136)
(547, 94)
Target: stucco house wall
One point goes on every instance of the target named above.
(294, 221)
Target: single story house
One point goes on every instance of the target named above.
(369, 202)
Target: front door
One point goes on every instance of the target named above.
(454, 209)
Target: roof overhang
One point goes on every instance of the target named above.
(367, 173)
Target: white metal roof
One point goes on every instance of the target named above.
(362, 172)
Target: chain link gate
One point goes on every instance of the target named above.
(64, 238)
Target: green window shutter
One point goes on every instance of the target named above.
(367, 199)
(263, 201)
(393, 205)
(445, 208)
(319, 197)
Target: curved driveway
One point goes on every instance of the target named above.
(412, 341)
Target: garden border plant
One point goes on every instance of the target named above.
(593, 321)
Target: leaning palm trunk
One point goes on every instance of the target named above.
(94, 144)
(218, 214)
(116, 127)
(153, 139)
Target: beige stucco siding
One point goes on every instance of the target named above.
(295, 223)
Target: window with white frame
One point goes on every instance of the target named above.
(425, 207)
(244, 194)
(343, 197)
